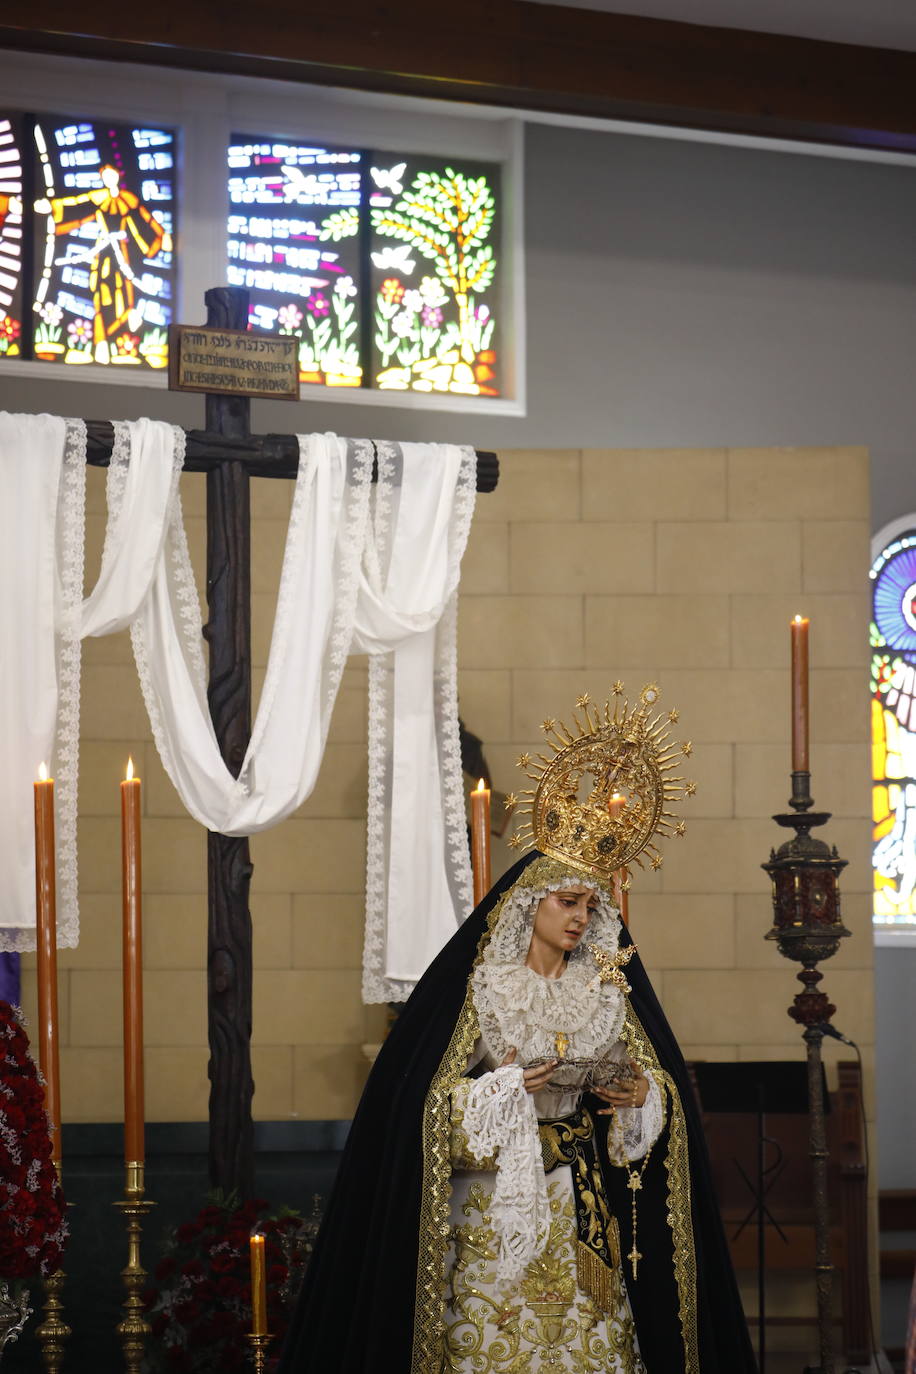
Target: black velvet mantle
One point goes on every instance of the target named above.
(355, 1312)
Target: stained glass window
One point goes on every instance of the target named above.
(11, 191)
(104, 226)
(295, 241)
(383, 265)
(893, 707)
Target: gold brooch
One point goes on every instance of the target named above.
(605, 793)
(610, 966)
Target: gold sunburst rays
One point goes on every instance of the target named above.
(605, 791)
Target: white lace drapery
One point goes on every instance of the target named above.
(42, 481)
(406, 619)
(393, 603)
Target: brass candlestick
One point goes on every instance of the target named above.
(259, 1344)
(53, 1333)
(808, 928)
(134, 1328)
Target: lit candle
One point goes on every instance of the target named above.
(616, 804)
(799, 631)
(480, 840)
(258, 1286)
(134, 1152)
(46, 931)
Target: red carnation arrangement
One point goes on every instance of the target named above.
(201, 1310)
(33, 1227)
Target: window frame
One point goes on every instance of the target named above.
(205, 109)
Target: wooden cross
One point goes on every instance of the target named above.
(230, 454)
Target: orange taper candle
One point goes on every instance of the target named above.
(258, 1286)
(799, 631)
(46, 933)
(480, 840)
(134, 1152)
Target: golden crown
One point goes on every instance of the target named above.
(604, 794)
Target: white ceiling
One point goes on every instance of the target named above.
(871, 23)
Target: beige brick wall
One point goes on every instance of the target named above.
(682, 566)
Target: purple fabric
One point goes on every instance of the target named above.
(9, 978)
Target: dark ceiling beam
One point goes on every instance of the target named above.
(515, 55)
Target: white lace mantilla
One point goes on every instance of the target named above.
(519, 1009)
(499, 1118)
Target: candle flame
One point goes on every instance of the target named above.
(42, 773)
(257, 1237)
(481, 786)
(130, 769)
(800, 620)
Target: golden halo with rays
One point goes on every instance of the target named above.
(605, 792)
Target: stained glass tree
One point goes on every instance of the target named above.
(434, 330)
(893, 704)
(104, 222)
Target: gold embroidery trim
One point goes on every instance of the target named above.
(677, 1167)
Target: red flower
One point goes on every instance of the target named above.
(31, 1202)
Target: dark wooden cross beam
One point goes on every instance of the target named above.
(230, 454)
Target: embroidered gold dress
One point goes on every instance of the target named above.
(568, 1308)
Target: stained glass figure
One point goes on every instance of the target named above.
(10, 236)
(893, 705)
(104, 228)
(295, 242)
(435, 228)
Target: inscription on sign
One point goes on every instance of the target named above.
(233, 361)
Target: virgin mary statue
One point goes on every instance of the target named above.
(525, 1187)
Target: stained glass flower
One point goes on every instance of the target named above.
(391, 290)
(318, 305)
(412, 301)
(402, 324)
(290, 317)
(432, 316)
(433, 292)
(128, 345)
(51, 312)
(79, 333)
(345, 286)
(10, 329)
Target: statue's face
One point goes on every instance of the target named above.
(562, 917)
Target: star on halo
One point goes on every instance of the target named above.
(548, 724)
(523, 761)
(583, 700)
(657, 861)
(690, 789)
(617, 688)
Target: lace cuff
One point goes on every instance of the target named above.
(632, 1131)
(459, 1149)
(499, 1115)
